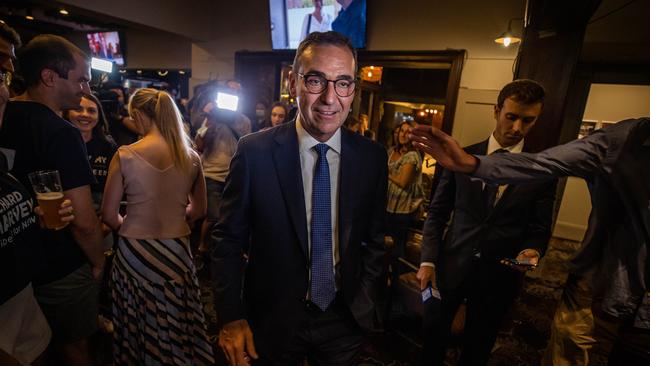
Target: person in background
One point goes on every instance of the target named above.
(261, 115)
(122, 128)
(165, 193)
(279, 113)
(217, 142)
(393, 138)
(203, 94)
(489, 224)
(56, 75)
(405, 196)
(316, 21)
(351, 21)
(365, 125)
(352, 124)
(25, 334)
(89, 118)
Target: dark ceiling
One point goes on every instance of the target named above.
(48, 19)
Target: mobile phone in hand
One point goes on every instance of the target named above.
(516, 262)
(429, 292)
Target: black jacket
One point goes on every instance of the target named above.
(263, 202)
(521, 219)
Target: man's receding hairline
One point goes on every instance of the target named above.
(308, 49)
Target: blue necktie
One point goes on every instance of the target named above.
(323, 289)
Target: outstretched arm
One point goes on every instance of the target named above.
(582, 158)
(443, 148)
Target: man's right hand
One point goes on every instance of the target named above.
(236, 341)
(426, 274)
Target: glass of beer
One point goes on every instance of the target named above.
(47, 186)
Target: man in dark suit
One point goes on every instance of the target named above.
(610, 272)
(490, 224)
(309, 197)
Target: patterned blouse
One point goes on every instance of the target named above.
(403, 201)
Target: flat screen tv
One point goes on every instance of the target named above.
(292, 20)
(107, 46)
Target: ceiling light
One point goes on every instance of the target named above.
(29, 17)
(163, 73)
(435, 111)
(63, 12)
(139, 71)
(182, 72)
(507, 38)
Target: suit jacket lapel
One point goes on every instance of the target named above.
(349, 189)
(286, 157)
(476, 185)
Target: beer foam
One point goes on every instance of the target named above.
(49, 196)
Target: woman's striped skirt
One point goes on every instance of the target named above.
(157, 310)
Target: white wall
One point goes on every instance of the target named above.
(480, 83)
(606, 102)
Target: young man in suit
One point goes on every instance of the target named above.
(610, 272)
(307, 199)
(490, 224)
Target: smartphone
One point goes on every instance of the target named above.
(429, 292)
(516, 262)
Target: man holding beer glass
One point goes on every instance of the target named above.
(25, 333)
(36, 138)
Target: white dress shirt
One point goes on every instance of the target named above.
(494, 145)
(308, 157)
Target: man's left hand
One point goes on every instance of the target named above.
(528, 256)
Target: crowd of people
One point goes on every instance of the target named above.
(292, 219)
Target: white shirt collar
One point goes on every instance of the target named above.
(306, 142)
(494, 145)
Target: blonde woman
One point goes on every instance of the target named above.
(156, 306)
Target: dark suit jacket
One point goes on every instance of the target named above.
(263, 202)
(521, 219)
(614, 161)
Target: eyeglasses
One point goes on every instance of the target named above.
(5, 77)
(317, 84)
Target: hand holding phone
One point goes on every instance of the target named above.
(429, 292)
(521, 265)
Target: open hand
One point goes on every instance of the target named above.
(443, 148)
